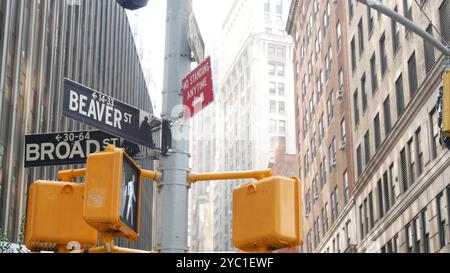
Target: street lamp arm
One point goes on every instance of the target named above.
(377, 5)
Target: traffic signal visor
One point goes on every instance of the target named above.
(446, 103)
(113, 193)
(267, 214)
(55, 217)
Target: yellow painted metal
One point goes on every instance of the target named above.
(267, 215)
(103, 189)
(109, 247)
(55, 217)
(446, 103)
(257, 174)
(70, 175)
(151, 175)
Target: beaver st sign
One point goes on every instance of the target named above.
(108, 114)
(198, 88)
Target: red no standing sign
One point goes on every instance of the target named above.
(198, 88)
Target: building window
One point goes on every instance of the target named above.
(442, 219)
(282, 127)
(383, 55)
(267, 6)
(430, 58)
(330, 108)
(444, 18)
(280, 69)
(419, 149)
(380, 199)
(346, 187)
(387, 116)
(321, 129)
(279, 7)
(366, 215)
(403, 170)
(361, 222)
(281, 53)
(281, 108)
(353, 49)
(386, 192)
(367, 147)
(435, 134)
(412, 73)
(343, 133)
(369, 19)
(399, 95)
(358, 161)
(361, 37)
(334, 205)
(272, 88)
(273, 126)
(377, 128)
(271, 51)
(281, 89)
(355, 107)
(364, 93)
(273, 106)
(348, 232)
(425, 231)
(350, 9)
(395, 34)
(373, 74)
(371, 218)
(412, 161)
(272, 69)
(409, 238)
(407, 6)
(339, 36)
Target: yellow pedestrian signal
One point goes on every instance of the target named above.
(55, 217)
(267, 214)
(446, 103)
(113, 193)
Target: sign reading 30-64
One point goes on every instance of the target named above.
(108, 114)
(65, 147)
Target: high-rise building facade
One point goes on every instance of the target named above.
(324, 135)
(401, 192)
(42, 42)
(255, 100)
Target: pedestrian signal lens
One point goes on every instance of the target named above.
(113, 193)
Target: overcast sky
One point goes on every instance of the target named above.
(210, 15)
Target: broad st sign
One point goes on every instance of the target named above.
(108, 114)
(198, 88)
(65, 148)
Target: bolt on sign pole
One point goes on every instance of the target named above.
(172, 203)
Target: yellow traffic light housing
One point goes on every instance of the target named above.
(267, 214)
(113, 193)
(446, 103)
(55, 217)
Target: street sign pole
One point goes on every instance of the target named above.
(172, 204)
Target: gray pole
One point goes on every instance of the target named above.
(377, 5)
(172, 205)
